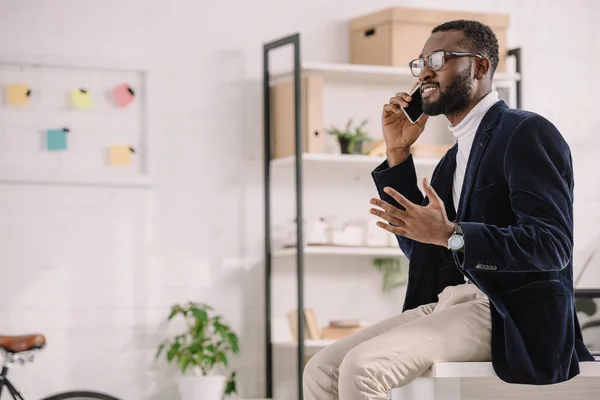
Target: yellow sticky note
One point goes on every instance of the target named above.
(120, 155)
(18, 94)
(81, 98)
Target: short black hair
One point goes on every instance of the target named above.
(480, 38)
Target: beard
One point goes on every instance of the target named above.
(454, 99)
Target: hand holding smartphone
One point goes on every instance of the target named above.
(401, 125)
(415, 107)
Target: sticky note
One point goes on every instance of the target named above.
(120, 155)
(18, 94)
(81, 98)
(124, 95)
(56, 139)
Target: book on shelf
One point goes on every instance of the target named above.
(339, 329)
(348, 323)
(311, 326)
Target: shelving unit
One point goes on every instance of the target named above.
(508, 85)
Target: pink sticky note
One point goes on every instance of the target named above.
(124, 95)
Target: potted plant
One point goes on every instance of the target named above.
(202, 352)
(394, 272)
(360, 136)
(351, 138)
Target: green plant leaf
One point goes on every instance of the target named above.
(221, 358)
(161, 347)
(174, 311)
(201, 315)
(233, 339)
(230, 387)
(185, 362)
(195, 348)
(172, 352)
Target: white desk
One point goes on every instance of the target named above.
(477, 380)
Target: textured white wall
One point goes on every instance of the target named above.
(96, 269)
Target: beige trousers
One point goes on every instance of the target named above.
(391, 353)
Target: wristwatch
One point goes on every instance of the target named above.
(456, 241)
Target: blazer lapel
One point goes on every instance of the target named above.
(482, 136)
(442, 181)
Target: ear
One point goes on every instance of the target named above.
(482, 67)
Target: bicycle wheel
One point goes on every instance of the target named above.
(80, 395)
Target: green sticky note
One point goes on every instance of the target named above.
(56, 139)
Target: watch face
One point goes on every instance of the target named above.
(456, 242)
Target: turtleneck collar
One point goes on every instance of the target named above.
(468, 126)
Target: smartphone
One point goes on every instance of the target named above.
(415, 107)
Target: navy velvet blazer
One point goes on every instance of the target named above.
(516, 211)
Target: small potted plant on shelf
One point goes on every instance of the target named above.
(351, 139)
(202, 352)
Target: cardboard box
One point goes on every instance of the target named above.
(282, 117)
(395, 36)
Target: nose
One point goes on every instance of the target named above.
(426, 74)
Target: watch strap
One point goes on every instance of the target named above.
(458, 229)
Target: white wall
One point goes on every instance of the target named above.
(97, 269)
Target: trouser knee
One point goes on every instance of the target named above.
(357, 371)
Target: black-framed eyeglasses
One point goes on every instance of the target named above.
(436, 60)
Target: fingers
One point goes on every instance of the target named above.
(431, 193)
(387, 209)
(402, 99)
(403, 201)
(392, 108)
(396, 230)
(391, 219)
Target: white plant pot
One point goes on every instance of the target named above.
(209, 387)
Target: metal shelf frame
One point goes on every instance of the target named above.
(292, 40)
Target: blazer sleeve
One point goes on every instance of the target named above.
(539, 173)
(403, 178)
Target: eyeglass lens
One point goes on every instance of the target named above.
(435, 62)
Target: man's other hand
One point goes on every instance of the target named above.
(425, 224)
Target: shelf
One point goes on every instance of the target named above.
(367, 73)
(309, 344)
(346, 160)
(342, 251)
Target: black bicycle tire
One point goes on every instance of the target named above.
(80, 394)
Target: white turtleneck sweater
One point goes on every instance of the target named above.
(464, 133)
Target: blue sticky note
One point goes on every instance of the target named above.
(56, 139)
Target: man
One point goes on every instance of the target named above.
(490, 241)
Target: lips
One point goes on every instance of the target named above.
(428, 90)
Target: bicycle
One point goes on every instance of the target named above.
(22, 349)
